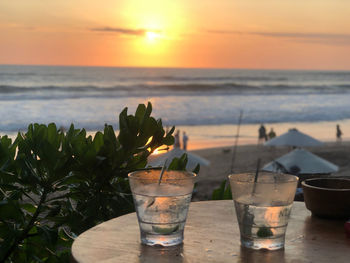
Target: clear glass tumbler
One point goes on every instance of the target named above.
(162, 207)
(263, 208)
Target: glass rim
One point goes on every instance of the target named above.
(293, 178)
(191, 175)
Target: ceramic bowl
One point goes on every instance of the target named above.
(327, 197)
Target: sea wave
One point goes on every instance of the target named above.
(209, 78)
(91, 96)
(64, 115)
(9, 92)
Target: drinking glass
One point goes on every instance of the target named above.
(263, 207)
(162, 207)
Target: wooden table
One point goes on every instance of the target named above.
(212, 235)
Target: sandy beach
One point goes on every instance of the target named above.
(220, 158)
(212, 136)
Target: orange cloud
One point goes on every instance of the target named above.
(327, 38)
(124, 31)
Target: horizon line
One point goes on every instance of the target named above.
(165, 67)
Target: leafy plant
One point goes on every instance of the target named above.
(223, 192)
(180, 164)
(55, 185)
(27, 180)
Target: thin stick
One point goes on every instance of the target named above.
(236, 140)
(257, 170)
(162, 171)
(256, 174)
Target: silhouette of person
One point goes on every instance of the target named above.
(339, 133)
(184, 141)
(262, 134)
(177, 139)
(272, 134)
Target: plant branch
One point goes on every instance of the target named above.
(24, 233)
(35, 202)
(58, 197)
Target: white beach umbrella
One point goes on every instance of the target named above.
(293, 138)
(193, 159)
(302, 161)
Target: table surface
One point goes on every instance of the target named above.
(212, 235)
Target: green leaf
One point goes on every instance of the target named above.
(98, 141)
(140, 113)
(178, 163)
(48, 234)
(28, 207)
(52, 135)
(110, 138)
(223, 192)
(227, 193)
(148, 110)
(264, 232)
(196, 169)
(171, 131)
(10, 210)
(169, 140)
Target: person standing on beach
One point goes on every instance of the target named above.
(272, 134)
(262, 134)
(177, 139)
(339, 133)
(184, 141)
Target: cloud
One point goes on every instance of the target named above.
(312, 37)
(123, 31)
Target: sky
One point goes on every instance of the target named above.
(262, 34)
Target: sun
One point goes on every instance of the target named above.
(162, 24)
(152, 36)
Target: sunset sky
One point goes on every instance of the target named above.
(281, 34)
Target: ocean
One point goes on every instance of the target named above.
(89, 97)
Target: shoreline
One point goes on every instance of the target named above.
(213, 136)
